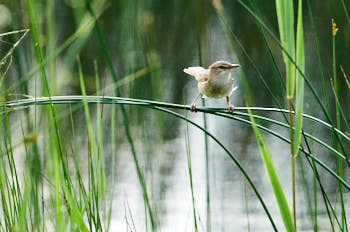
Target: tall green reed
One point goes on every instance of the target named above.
(124, 115)
(275, 182)
(81, 203)
(339, 163)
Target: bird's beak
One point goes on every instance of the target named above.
(234, 66)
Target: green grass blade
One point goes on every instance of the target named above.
(285, 17)
(345, 11)
(189, 165)
(124, 114)
(215, 111)
(246, 87)
(335, 89)
(234, 159)
(306, 79)
(101, 166)
(300, 61)
(51, 44)
(76, 214)
(96, 162)
(275, 182)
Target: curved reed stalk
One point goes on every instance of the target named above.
(78, 99)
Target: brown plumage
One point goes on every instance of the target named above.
(214, 82)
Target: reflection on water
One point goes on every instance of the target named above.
(170, 187)
(164, 37)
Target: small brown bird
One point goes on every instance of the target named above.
(214, 82)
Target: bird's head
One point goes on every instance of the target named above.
(222, 66)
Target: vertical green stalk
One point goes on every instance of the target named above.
(97, 175)
(51, 46)
(124, 114)
(300, 62)
(51, 43)
(10, 190)
(315, 174)
(337, 111)
(290, 103)
(100, 154)
(274, 179)
(285, 16)
(101, 167)
(189, 165)
(315, 195)
(52, 118)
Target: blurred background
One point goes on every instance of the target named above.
(150, 42)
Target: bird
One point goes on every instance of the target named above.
(214, 82)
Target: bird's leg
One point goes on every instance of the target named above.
(230, 106)
(193, 105)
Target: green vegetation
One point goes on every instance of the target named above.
(94, 135)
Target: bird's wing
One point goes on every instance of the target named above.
(199, 73)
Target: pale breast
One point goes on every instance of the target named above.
(218, 88)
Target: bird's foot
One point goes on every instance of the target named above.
(231, 109)
(193, 108)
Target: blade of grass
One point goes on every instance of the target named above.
(285, 18)
(14, 46)
(96, 175)
(124, 114)
(209, 134)
(51, 43)
(22, 103)
(99, 136)
(215, 111)
(10, 189)
(337, 112)
(345, 11)
(296, 135)
(230, 155)
(275, 182)
(52, 114)
(189, 166)
(270, 56)
(100, 153)
(81, 18)
(58, 51)
(104, 99)
(306, 79)
(300, 60)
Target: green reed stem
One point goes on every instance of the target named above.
(124, 114)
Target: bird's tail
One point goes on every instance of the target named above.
(189, 71)
(194, 70)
